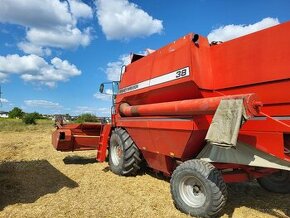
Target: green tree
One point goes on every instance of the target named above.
(87, 117)
(30, 118)
(16, 112)
(37, 115)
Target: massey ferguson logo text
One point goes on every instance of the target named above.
(128, 89)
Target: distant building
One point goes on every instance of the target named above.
(3, 114)
(64, 117)
(47, 116)
(74, 117)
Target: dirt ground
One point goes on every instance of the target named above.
(37, 181)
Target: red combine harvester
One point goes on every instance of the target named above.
(204, 114)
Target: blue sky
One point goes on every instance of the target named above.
(55, 53)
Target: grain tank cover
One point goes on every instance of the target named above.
(157, 76)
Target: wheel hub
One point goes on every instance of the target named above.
(116, 154)
(192, 191)
(119, 151)
(196, 190)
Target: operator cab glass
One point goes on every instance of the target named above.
(115, 86)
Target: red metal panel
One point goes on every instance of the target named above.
(269, 142)
(160, 162)
(274, 95)
(138, 71)
(161, 93)
(85, 142)
(194, 145)
(66, 143)
(263, 124)
(170, 58)
(142, 138)
(104, 142)
(202, 73)
(255, 58)
(170, 137)
(172, 123)
(76, 137)
(170, 142)
(174, 56)
(162, 136)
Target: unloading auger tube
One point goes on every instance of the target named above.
(189, 107)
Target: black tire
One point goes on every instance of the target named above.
(124, 156)
(278, 182)
(198, 189)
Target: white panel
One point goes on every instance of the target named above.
(178, 74)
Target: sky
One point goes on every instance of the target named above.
(54, 54)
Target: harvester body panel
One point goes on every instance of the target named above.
(154, 88)
(256, 63)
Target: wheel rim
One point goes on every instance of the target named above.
(192, 191)
(116, 153)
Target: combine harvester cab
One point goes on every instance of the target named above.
(204, 114)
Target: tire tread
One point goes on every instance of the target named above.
(218, 186)
(132, 156)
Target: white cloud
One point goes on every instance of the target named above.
(66, 38)
(106, 96)
(49, 23)
(33, 68)
(113, 69)
(42, 104)
(228, 32)
(35, 13)
(121, 19)
(30, 48)
(79, 9)
(3, 77)
(93, 110)
(19, 65)
(3, 100)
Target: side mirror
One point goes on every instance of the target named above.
(101, 89)
(109, 88)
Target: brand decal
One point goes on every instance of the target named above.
(178, 74)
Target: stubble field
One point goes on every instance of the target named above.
(37, 181)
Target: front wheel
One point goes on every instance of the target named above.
(124, 156)
(278, 182)
(198, 189)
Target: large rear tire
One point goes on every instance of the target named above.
(124, 156)
(198, 189)
(278, 182)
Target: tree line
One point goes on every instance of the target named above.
(30, 118)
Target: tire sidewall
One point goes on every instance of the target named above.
(271, 184)
(178, 199)
(116, 140)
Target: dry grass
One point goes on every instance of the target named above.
(16, 125)
(37, 181)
